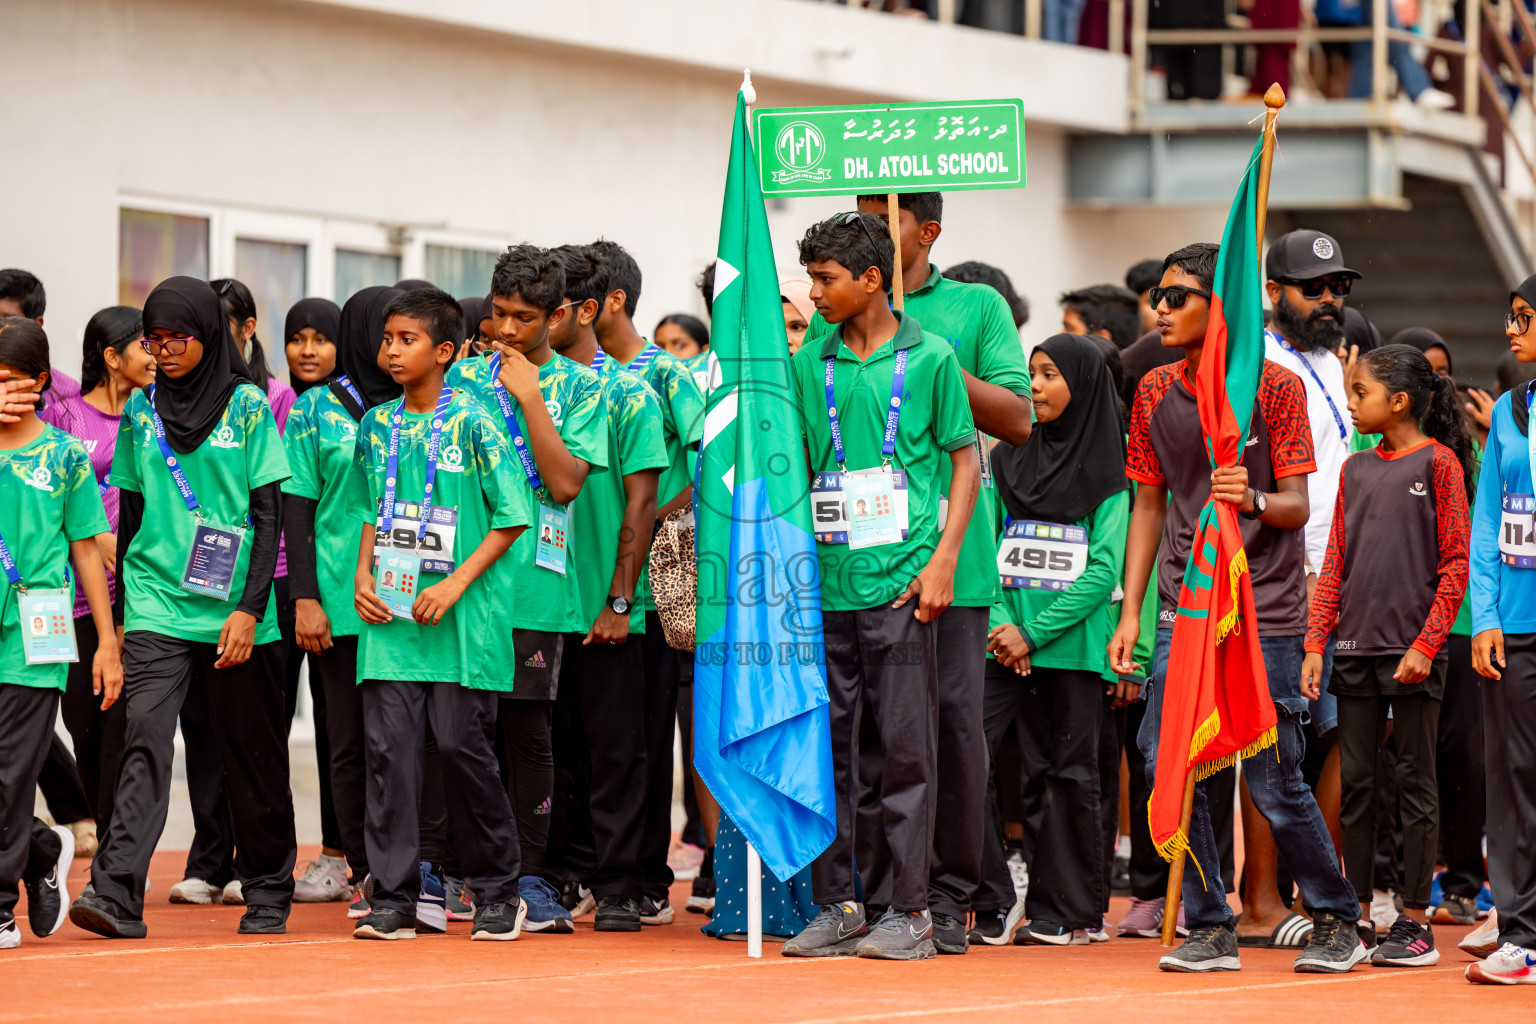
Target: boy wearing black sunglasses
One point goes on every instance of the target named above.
(1269, 490)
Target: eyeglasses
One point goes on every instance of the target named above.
(854, 217)
(1313, 289)
(1522, 319)
(171, 346)
(1174, 295)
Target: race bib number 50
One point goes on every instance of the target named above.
(1517, 531)
(1041, 556)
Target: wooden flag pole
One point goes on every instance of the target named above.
(1274, 99)
(893, 214)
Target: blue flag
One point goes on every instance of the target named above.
(762, 739)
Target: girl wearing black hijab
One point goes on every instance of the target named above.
(198, 462)
(1060, 556)
(1431, 344)
(311, 330)
(477, 330)
(322, 558)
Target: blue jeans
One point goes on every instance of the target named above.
(1274, 783)
(1062, 18)
(1410, 73)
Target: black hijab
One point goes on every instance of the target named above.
(1424, 339)
(191, 405)
(357, 350)
(1359, 331)
(324, 316)
(1070, 465)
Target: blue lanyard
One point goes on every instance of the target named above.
(892, 416)
(391, 471)
(1337, 419)
(8, 563)
(636, 365)
(103, 486)
(346, 382)
(177, 474)
(519, 442)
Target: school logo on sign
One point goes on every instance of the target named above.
(40, 478)
(224, 437)
(453, 459)
(801, 148)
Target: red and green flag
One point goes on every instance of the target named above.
(1216, 703)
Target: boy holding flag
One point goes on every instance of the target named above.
(1232, 632)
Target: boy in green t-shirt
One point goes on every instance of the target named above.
(682, 412)
(601, 706)
(883, 409)
(553, 414)
(433, 486)
(975, 320)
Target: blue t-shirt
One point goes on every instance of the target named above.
(1503, 591)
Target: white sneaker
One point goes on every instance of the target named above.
(1019, 872)
(1484, 939)
(1508, 965)
(585, 905)
(1434, 99)
(10, 935)
(194, 890)
(324, 881)
(233, 894)
(1101, 933)
(1384, 910)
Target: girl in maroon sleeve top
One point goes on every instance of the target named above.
(1390, 588)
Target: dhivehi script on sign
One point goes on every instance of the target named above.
(895, 147)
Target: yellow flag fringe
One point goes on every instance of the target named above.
(1228, 623)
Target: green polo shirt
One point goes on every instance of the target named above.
(471, 645)
(935, 420)
(976, 322)
(244, 452)
(48, 498)
(1070, 629)
(545, 599)
(320, 440)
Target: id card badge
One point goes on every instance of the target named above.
(399, 578)
(1041, 556)
(554, 526)
(874, 518)
(48, 626)
(211, 562)
(831, 506)
(1517, 531)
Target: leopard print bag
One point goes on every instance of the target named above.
(675, 578)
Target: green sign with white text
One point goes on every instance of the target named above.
(891, 147)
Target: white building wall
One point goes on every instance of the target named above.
(449, 120)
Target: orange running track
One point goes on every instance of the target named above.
(195, 968)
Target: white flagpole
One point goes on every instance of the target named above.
(754, 904)
(754, 862)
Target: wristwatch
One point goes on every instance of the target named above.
(1260, 503)
(618, 603)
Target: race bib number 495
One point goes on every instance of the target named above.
(1041, 556)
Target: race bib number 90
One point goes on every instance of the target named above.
(1517, 531)
(1041, 556)
(436, 549)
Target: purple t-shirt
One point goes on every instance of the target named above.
(97, 431)
(281, 398)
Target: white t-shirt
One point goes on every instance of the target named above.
(1330, 449)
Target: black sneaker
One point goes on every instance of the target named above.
(654, 911)
(1210, 947)
(949, 935)
(617, 914)
(48, 896)
(987, 928)
(702, 899)
(1458, 909)
(385, 924)
(833, 932)
(259, 920)
(1336, 946)
(499, 921)
(1408, 944)
(100, 915)
(899, 935)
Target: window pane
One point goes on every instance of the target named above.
(154, 246)
(274, 272)
(460, 272)
(358, 270)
